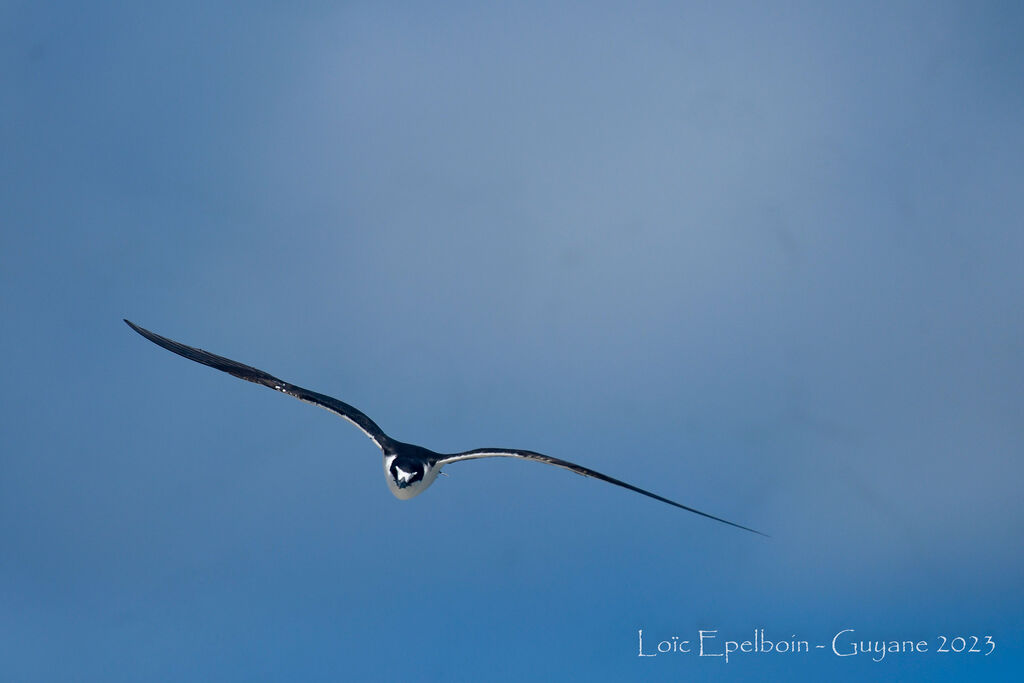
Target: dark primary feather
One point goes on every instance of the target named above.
(578, 469)
(251, 374)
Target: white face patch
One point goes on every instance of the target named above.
(404, 476)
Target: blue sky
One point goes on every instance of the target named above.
(762, 260)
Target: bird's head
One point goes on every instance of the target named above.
(408, 477)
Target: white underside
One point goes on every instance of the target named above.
(413, 490)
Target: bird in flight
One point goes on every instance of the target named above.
(409, 468)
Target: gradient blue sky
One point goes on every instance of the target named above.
(765, 260)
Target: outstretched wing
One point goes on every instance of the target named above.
(250, 374)
(578, 469)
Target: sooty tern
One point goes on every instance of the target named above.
(409, 468)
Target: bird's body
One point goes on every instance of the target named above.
(409, 468)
